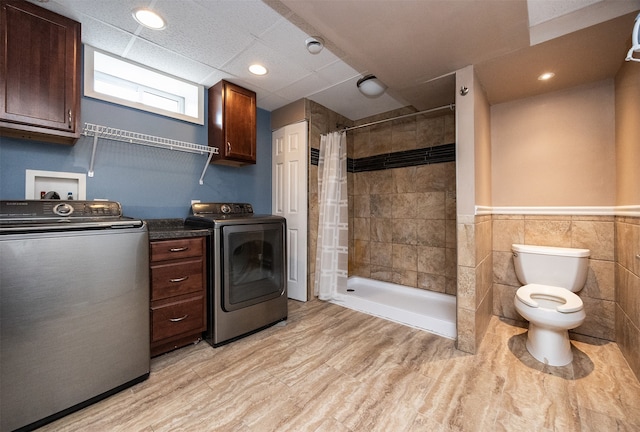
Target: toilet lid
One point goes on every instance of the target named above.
(573, 303)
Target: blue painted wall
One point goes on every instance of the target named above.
(148, 182)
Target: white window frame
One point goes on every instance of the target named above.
(181, 99)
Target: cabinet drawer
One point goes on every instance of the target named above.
(176, 278)
(176, 249)
(177, 318)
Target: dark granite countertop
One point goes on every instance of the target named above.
(163, 229)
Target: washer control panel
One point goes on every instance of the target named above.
(55, 209)
(221, 209)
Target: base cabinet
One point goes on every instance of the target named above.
(178, 293)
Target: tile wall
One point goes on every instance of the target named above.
(402, 221)
(627, 269)
(402, 226)
(596, 233)
(475, 270)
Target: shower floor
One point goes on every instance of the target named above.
(425, 310)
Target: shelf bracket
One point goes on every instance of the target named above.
(204, 171)
(93, 155)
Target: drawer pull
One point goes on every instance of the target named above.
(176, 280)
(178, 319)
(180, 249)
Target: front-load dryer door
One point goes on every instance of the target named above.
(253, 264)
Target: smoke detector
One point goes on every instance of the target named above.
(314, 44)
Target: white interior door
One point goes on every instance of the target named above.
(289, 199)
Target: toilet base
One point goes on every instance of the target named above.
(551, 347)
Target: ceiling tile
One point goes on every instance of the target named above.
(246, 16)
(556, 19)
(338, 72)
(214, 77)
(282, 70)
(198, 32)
(272, 101)
(104, 37)
(304, 87)
(116, 13)
(290, 41)
(154, 56)
(545, 10)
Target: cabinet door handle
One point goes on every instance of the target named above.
(228, 147)
(180, 249)
(69, 119)
(176, 280)
(178, 319)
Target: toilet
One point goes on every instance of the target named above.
(550, 276)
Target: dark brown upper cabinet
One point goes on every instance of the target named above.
(39, 74)
(232, 124)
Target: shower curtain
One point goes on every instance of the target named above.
(333, 225)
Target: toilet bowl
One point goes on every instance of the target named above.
(551, 312)
(547, 300)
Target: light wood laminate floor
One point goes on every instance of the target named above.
(334, 369)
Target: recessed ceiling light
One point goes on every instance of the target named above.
(257, 69)
(546, 76)
(149, 19)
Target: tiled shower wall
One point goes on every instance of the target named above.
(405, 216)
(596, 233)
(402, 221)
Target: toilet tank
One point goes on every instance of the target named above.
(547, 265)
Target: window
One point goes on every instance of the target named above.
(120, 81)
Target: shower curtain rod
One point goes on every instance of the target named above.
(450, 106)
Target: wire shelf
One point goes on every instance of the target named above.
(98, 131)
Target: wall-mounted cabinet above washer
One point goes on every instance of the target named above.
(39, 73)
(232, 124)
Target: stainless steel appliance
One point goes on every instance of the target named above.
(248, 289)
(74, 307)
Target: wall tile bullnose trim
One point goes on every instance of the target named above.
(631, 210)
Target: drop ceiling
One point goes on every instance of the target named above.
(413, 46)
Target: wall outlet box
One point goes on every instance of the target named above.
(37, 182)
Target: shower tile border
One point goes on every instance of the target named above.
(424, 156)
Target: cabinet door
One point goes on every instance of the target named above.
(232, 124)
(240, 127)
(39, 70)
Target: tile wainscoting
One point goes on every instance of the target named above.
(612, 292)
(628, 289)
(596, 233)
